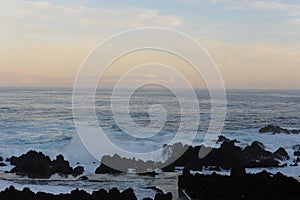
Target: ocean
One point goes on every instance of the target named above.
(42, 119)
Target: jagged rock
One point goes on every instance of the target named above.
(152, 174)
(281, 154)
(168, 168)
(277, 129)
(160, 196)
(297, 153)
(34, 164)
(78, 170)
(239, 185)
(12, 194)
(60, 165)
(104, 169)
(37, 165)
(222, 139)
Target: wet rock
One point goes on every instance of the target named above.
(256, 156)
(240, 185)
(277, 129)
(78, 170)
(12, 194)
(1, 159)
(297, 153)
(152, 174)
(83, 178)
(222, 139)
(36, 165)
(60, 165)
(168, 168)
(2, 164)
(281, 154)
(33, 164)
(160, 196)
(104, 169)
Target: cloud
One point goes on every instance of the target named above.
(47, 17)
(283, 8)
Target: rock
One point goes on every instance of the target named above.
(222, 139)
(216, 168)
(127, 194)
(281, 154)
(256, 156)
(12, 194)
(83, 178)
(36, 165)
(239, 185)
(60, 165)
(297, 153)
(152, 174)
(104, 169)
(168, 168)
(277, 129)
(33, 164)
(294, 165)
(160, 196)
(2, 164)
(1, 159)
(78, 170)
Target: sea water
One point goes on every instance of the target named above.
(42, 119)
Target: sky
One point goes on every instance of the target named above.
(255, 44)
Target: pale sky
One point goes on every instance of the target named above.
(255, 44)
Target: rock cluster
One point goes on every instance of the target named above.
(277, 129)
(113, 194)
(36, 165)
(239, 185)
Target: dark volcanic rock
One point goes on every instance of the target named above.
(152, 174)
(104, 169)
(297, 153)
(37, 165)
(78, 170)
(277, 129)
(160, 196)
(2, 164)
(116, 164)
(222, 139)
(225, 157)
(239, 185)
(60, 165)
(281, 154)
(34, 164)
(114, 194)
(256, 156)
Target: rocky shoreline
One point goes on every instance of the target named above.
(113, 194)
(239, 185)
(228, 156)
